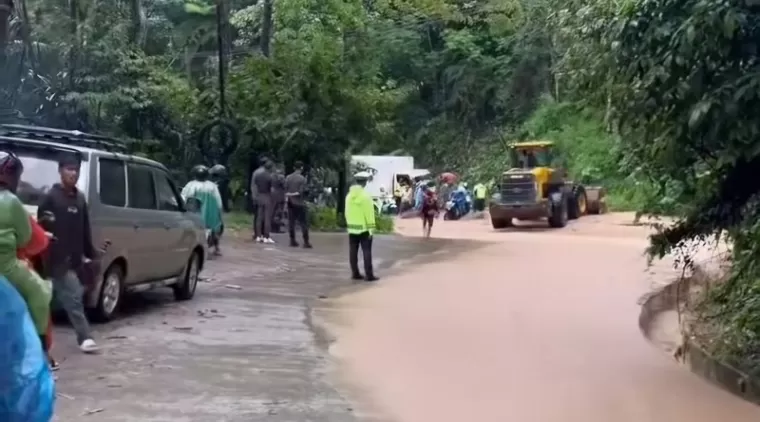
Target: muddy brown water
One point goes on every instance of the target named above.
(536, 325)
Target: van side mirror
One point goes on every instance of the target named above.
(193, 205)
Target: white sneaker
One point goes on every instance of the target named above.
(89, 346)
(269, 240)
(259, 239)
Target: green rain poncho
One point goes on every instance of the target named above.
(15, 233)
(211, 202)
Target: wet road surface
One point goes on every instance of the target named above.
(537, 326)
(242, 350)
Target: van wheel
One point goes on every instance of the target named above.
(185, 288)
(110, 295)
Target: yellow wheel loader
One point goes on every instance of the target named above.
(532, 189)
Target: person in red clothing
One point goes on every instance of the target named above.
(429, 211)
(38, 243)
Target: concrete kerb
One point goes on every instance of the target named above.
(689, 352)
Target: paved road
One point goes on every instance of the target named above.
(537, 326)
(243, 350)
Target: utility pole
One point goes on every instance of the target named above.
(221, 39)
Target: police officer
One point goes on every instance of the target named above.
(360, 222)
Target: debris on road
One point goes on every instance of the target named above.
(233, 287)
(89, 412)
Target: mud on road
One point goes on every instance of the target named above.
(540, 325)
(242, 350)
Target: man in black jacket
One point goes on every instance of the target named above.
(72, 247)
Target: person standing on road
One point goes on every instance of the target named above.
(261, 184)
(278, 199)
(295, 192)
(430, 210)
(360, 222)
(72, 248)
(480, 191)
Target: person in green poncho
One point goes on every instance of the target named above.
(15, 233)
(207, 193)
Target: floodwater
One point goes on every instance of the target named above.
(537, 325)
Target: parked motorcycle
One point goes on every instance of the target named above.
(457, 206)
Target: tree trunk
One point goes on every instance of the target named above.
(608, 113)
(139, 23)
(74, 54)
(6, 10)
(266, 27)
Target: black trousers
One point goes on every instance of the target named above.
(363, 241)
(278, 209)
(298, 214)
(479, 204)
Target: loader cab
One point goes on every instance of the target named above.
(530, 155)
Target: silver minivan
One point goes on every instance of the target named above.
(134, 204)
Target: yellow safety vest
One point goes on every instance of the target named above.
(360, 211)
(480, 191)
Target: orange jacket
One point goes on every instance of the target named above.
(37, 244)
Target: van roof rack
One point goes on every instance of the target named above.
(68, 137)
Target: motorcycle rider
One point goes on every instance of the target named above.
(16, 233)
(218, 175)
(207, 193)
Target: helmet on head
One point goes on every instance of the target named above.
(11, 168)
(218, 171)
(200, 172)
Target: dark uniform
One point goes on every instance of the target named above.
(295, 188)
(278, 201)
(261, 189)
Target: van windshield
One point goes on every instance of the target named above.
(40, 174)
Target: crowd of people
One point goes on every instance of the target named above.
(62, 231)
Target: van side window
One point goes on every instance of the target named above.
(112, 183)
(142, 190)
(168, 198)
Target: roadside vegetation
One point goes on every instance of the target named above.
(656, 100)
(321, 219)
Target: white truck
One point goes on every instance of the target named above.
(384, 169)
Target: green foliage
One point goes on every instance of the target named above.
(692, 68)
(325, 219)
(321, 219)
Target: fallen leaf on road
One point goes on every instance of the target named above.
(183, 328)
(93, 411)
(233, 287)
(116, 337)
